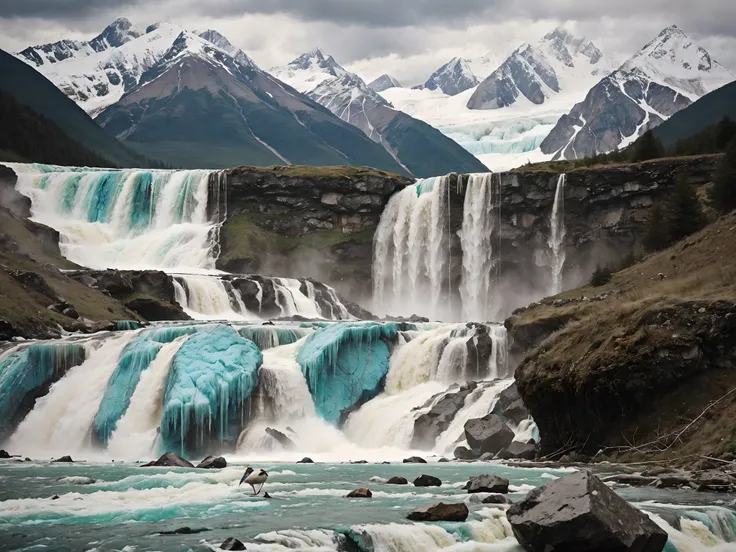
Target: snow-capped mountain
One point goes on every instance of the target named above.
(556, 72)
(200, 105)
(346, 95)
(384, 82)
(666, 75)
(559, 62)
(453, 77)
(115, 34)
(99, 79)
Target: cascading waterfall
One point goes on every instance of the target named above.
(557, 235)
(480, 241)
(210, 298)
(134, 219)
(412, 251)
(195, 388)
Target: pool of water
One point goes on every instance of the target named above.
(115, 506)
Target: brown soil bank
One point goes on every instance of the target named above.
(644, 366)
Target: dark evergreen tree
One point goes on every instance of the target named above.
(723, 193)
(725, 132)
(684, 214)
(601, 276)
(647, 147)
(656, 236)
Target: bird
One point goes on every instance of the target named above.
(252, 478)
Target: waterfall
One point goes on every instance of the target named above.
(134, 219)
(292, 301)
(335, 388)
(480, 240)
(60, 421)
(412, 251)
(557, 235)
(210, 298)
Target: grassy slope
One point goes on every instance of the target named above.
(598, 336)
(26, 308)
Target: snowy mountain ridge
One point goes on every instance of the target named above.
(115, 34)
(453, 77)
(663, 77)
(384, 82)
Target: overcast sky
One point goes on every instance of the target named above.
(407, 38)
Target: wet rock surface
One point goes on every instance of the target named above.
(519, 451)
(232, 544)
(579, 512)
(487, 484)
(360, 493)
(440, 511)
(414, 460)
(427, 481)
(169, 459)
(281, 438)
(212, 462)
(431, 424)
(397, 481)
(488, 434)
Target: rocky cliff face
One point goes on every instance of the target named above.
(305, 222)
(605, 214)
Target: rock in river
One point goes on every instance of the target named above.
(427, 481)
(439, 511)
(487, 484)
(579, 512)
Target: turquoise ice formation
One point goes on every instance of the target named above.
(345, 365)
(211, 377)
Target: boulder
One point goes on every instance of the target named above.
(360, 493)
(487, 484)
(415, 460)
(443, 459)
(4, 454)
(579, 512)
(517, 450)
(306, 460)
(439, 511)
(397, 481)
(464, 453)
(281, 438)
(488, 434)
(67, 459)
(430, 425)
(212, 462)
(427, 481)
(169, 459)
(510, 407)
(232, 544)
(7, 331)
(496, 499)
(114, 282)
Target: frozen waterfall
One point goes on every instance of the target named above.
(194, 387)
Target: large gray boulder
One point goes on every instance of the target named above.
(430, 425)
(580, 513)
(487, 484)
(281, 438)
(488, 434)
(510, 407)
(518, 451)
(212, 463)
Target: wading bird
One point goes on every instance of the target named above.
(253, 478)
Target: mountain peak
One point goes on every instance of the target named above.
(453, 77)
(384, 82)
(115, 34)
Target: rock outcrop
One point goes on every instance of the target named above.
(281, 438)
(360, 493)
(305, 221)
(579, 512)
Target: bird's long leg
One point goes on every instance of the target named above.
(254, 489)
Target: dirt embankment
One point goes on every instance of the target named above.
(643, 367)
